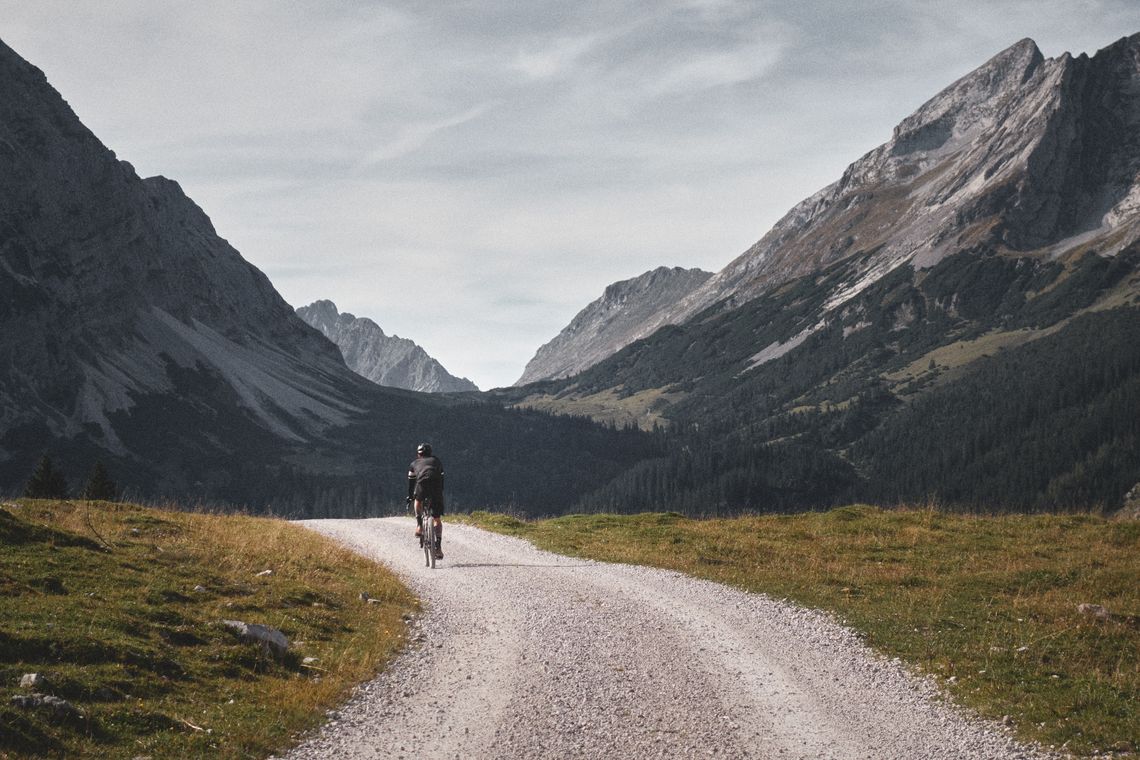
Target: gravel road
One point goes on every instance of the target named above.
(525, 654)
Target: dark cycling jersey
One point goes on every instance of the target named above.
(425, 479)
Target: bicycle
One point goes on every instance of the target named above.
(427, 532)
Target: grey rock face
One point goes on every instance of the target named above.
(1025, 155)
(383, 359)
(627, 310)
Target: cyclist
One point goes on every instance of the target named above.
(425, 482)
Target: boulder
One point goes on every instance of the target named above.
(33, 681)
(270, 639)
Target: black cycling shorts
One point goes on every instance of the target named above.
(424, 492)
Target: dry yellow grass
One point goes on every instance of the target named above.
(120, 606)
(642, 409)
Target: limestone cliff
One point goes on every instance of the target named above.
(626, 311)
(384, 359)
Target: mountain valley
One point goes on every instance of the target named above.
(134, 335)
(953, 321)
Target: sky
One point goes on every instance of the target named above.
(472, 174)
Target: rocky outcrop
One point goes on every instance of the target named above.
(1025, 155)
(383, 359)
(627, 310)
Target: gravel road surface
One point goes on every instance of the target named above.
(525, 654)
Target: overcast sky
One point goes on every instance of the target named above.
(471, 174)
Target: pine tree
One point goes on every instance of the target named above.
(46, 482)
(99, 486)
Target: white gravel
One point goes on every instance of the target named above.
(525, 654)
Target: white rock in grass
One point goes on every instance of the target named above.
(32, 681)
(1095, 610)
(263, 573)
(270, 638)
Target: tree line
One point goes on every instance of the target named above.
(49, 482)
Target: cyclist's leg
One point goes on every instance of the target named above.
(437, 512)
(419, 506)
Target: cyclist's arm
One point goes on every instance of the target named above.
(411, 483)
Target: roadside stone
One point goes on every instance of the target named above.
(270, 638)
(33, 681)
(199, 588)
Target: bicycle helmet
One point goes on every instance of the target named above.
(424, 449)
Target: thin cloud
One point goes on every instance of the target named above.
(713, 69)
(414, 136)
(549, 60)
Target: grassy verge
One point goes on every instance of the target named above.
(120, 608)
(988, 604)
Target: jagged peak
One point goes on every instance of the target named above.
(384, 359)
(322, 306)
(999, 76)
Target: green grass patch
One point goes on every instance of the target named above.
(119, 607)
(988, 604)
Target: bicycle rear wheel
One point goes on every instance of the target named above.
(428, 532)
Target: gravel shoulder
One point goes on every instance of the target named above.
(525, 654)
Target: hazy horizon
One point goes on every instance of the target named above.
(516, 161)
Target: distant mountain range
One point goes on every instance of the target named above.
(953, 319)
(385, 360)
